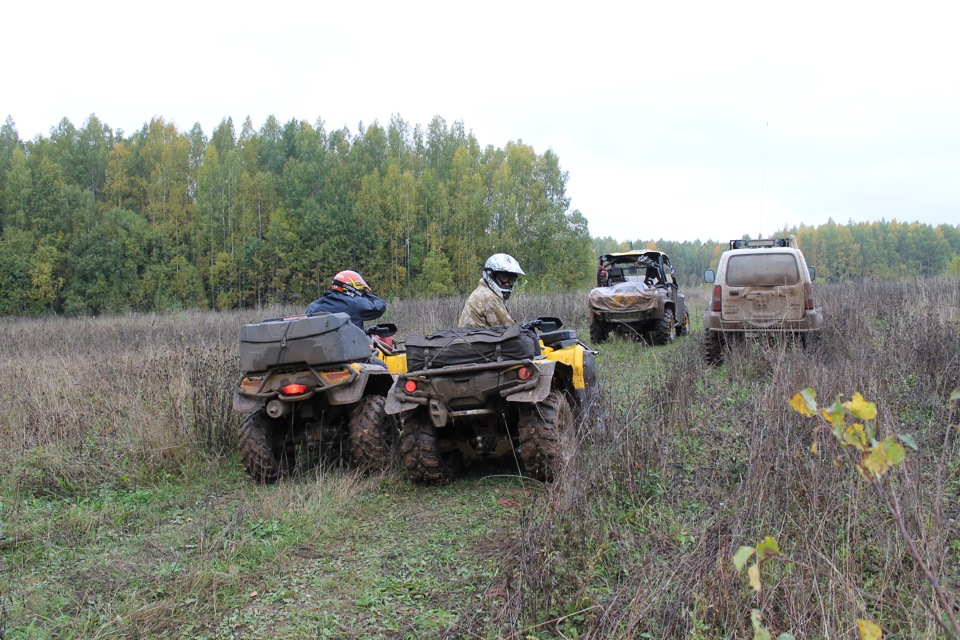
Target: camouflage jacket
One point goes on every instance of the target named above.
(484, 308)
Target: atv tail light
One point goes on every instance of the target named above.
(524, 373)
(715, 304)
(293, 389)
(410, 386)
(808, 296)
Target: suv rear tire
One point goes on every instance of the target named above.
(712, 348)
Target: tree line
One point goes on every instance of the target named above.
(96, 221)
(840, 252)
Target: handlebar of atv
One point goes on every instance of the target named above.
(545, 324)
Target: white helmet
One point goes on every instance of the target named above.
(500, 272)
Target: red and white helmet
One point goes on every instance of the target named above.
(349, 282)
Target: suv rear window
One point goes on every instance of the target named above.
(762, 270)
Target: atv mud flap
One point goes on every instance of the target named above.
(245, 404)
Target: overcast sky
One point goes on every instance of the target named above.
(675, 120)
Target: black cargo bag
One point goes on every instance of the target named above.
(464, 345)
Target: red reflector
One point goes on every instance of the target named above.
(715, 301)
(410, 386)
(524, 373)
(293, 389)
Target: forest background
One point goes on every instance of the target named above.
(95, 221)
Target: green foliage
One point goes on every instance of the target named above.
(268, 216)
(876, 250)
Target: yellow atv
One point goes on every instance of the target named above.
(316, 385)
(502, 392)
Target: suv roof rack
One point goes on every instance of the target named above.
(789, 241)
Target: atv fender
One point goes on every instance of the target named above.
(539, 392)
(351, 393)
(245, 404)
(395, 403)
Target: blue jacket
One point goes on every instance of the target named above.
(359, 308)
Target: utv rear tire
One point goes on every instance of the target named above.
(684, 327)
(666, 329)
(373, 436)
(546, 436)
(598, 332)
(712, 348)
(421, 452)
(264, 464)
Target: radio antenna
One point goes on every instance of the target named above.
(763, 175)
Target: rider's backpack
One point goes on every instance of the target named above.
(463, 345)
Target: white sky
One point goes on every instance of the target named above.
(675, 120)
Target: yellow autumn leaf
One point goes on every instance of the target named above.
(878, 461)
(741, 556)
(836, 415)
(805, 402)
(869, 630)
(888, 453)
(767, 549)
(754, 574)
(860, 408)
(855, 436)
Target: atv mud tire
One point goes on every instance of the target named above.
(421, 452)
(546, 436)
(666, 330)
(684, 327)
(261, 458)
(373, 436)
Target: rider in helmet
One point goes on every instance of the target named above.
(349, 293)
(486, 306)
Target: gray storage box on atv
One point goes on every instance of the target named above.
(324, 338)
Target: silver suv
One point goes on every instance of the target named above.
(760, 288)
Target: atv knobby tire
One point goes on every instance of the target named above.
(373, 436)
(684, 327)
(421, 452)
(263, 462)
(712, 348)
(666, 330)
(546, 436)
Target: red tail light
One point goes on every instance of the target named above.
(808, 296)
(293, 389)
(715, 304)
(524, 373)
(410, 386)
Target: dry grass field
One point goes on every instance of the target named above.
(124, 511)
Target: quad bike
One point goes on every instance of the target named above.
(482, 394)
(315, 386)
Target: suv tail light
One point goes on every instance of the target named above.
(808, 296)
(715, 304)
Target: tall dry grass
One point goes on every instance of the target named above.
(686, 464)
(695, 462)
(84, 401)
